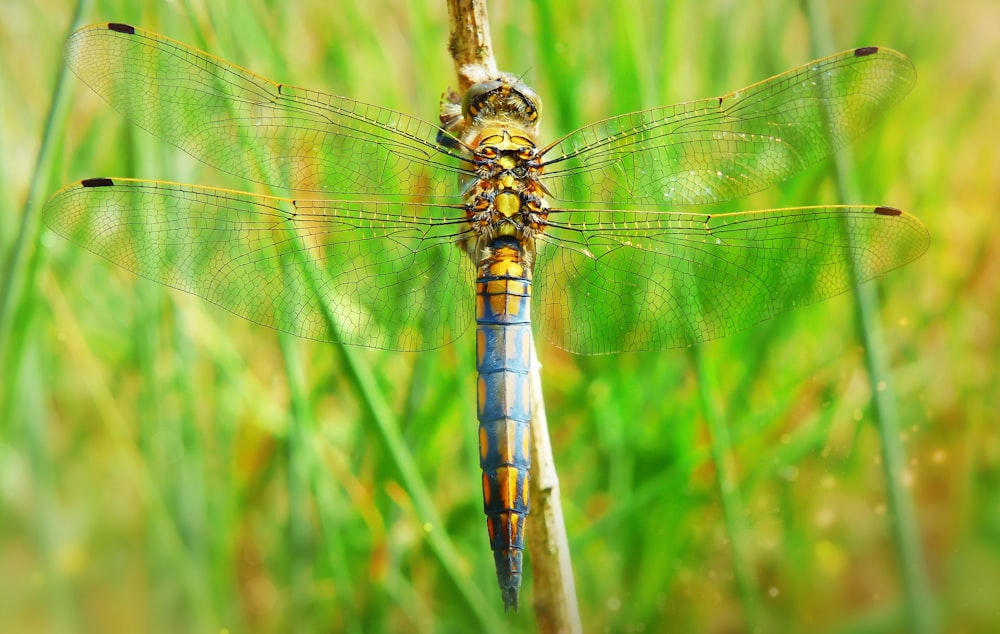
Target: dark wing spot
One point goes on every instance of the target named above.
(865, 50)
(888, 211)
(97, 182)
(447, 141)
(121, 28)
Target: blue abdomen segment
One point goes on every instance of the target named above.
(503, 344)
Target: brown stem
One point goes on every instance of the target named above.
(555, 604)
(470, 44)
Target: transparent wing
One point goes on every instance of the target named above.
(611, 281)
(257, 129)
(726, 147)
(383, 275)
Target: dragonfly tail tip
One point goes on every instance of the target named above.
(510, 599)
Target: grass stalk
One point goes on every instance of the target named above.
(332, 550)
(298, 459)
(151, 430)
(16, 275)
(729, 490)
(389, 433)
(22, 398)
(903, 519)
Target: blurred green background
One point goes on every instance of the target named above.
(166, 466)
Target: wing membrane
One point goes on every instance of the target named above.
(613, 281)
(382, 275)
(389, 275)
(726, 147)
(255, 128)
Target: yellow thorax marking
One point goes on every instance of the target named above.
(501, 139)
(508, 204)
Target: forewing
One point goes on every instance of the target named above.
(383, 275)
(726, 147)
(252, 127)
(613, 281)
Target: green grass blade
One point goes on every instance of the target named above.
(12, 274)
(903, 517)
(389, 433)
(729, 483)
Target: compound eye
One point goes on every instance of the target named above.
(474, 96)
(532, 98)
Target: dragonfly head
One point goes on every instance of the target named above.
(505, 99)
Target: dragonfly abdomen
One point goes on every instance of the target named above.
(503, 344)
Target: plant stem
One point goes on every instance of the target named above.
(902, 515)
(469, 43)
(551, 566)
(27, 233)
(729, 490)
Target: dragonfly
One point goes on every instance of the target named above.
(420, 229)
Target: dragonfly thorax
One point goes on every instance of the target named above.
(506, 198)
